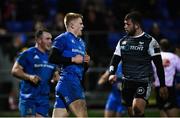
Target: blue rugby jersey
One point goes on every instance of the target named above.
(35, 62)
(69, 46)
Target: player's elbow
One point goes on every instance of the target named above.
(14, 72)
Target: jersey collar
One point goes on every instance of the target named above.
(137, 35)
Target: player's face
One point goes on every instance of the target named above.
(78, 26)
(129, 27)
(46, 41)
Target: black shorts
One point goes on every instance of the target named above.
(132, 89)
(170, 102)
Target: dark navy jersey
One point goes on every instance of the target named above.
(69, 46)
(35, 62)
(136, 53)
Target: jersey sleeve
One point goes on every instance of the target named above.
(154, 48)
(118, 49)
(22, 59)
(59, 43)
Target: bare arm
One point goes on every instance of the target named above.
(103, 78)
(55, 77)
(17, 71)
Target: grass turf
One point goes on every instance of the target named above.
(149, 112)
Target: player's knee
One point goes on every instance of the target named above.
(137, 111)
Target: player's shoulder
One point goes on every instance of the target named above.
(60, 36)
(149, 39)
(63, 37)
(170, 54)
(29, 50)
(27, 53)
(148, 36)
(123, 38)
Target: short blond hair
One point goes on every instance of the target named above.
(71, 16)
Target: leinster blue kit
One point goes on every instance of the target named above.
(69, 87)
(114, 100)
(35, 98)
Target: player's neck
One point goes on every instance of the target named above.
(40, 49)
(138, 32)
(72, 31)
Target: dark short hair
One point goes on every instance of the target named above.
(135, 17)
(39, 33)
(165, 45)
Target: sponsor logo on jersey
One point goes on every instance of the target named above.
(139, 48)
(78, 51)
(141, 43)
(43, 66)
(124, 42)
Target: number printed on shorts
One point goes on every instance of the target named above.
(140, 90)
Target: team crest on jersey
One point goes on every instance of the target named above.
(124, 42)
(36, 57)
(141, 43)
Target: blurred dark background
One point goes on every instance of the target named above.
(103, 21)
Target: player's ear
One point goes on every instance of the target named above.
(136, 26)
(71, 25)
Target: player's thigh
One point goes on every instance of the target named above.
(79, 108)
(109, 113)
(39, 115)
(173, 112)
(141, 95)
(111, 104)
(42, 107)
(59, 112)
(139, 103)
(128, 95)
(69, 89)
